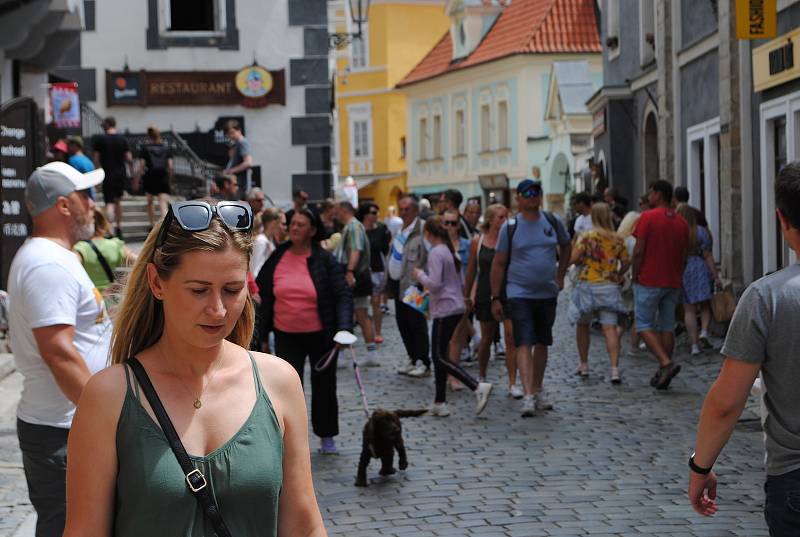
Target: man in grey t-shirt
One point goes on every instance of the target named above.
(527, 266)
(240, 158)
(763, 337)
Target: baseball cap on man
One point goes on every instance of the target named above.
(51, 181)
(528, 184)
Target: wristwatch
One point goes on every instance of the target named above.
(698, 469)
(492, 299)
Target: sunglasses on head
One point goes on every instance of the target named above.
(197, 215)
(533, 192)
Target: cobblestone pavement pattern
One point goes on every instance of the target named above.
(608, 460)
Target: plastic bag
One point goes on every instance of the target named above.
(417, 299)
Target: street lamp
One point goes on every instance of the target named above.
(359, 9)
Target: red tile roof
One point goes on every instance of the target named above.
(524, 27)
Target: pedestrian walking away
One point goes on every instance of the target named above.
(478, 275)
(407, 253)
(659, 258)
(602, 259)
(442, 279)
(305, 301)
(181, 339)
(353, 253)
(530, 262)
(762, 338)
(61, 331)
(157, 165)
(380, 240)
(699, 279)
(112, 153)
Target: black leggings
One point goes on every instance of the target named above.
(443, 329)
(294, 347)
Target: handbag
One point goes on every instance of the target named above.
(723, 304)
(417, 299)
(194, 478)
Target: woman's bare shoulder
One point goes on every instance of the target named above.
(276, 373)
(105, 392)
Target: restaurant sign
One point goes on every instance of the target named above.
(253, 87)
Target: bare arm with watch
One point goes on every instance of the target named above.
(723, 406)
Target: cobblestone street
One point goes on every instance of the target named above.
(609, 460)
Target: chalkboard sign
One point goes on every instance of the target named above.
(19, 131)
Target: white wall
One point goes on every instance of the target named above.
(264, 33)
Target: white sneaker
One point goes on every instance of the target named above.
(516, 391)
(499, 348)
(542, 403)
(528, 407)
(420, 371)
(439, 410)
(406, 368)
(466, 355)
(696, 349)
(482, 396)
(705, 340)
(369, 361)
(643, 346)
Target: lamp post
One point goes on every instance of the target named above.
(359, 9)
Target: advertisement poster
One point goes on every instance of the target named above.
(66, 105)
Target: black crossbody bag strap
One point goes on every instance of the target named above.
(103, 261)
(194, 478)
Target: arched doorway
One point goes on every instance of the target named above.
(650, 152)
(559, 177)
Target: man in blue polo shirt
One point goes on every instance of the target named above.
(530, 263)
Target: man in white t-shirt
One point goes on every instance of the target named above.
(60, 328)
(583, 207)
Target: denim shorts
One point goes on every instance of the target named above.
(606, 317)
(782, 506)
(532, 320)
(655, 308)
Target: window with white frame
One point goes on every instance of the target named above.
(647, 31)
(359, 50)
(486, 126)
(461, 133)
(423, 138)
(703, 175)
(502, 125)
(780, 143)
(612, 29)
(360, 124)
(437, 136)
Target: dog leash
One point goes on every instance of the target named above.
(325, 362)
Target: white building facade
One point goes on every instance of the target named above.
(290, 142)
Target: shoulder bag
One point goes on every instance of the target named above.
(103, 261)
(194, 478)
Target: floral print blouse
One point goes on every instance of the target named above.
(603, 254)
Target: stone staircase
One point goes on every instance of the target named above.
(135, 225)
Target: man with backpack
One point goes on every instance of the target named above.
(525, 280)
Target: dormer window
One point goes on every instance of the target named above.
(470, 24)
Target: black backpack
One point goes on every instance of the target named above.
(158, 157)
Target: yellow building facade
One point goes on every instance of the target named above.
(371, 113)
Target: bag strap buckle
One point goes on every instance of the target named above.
(196, 480)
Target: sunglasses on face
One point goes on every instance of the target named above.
(531, 193)
(197, 215)
(373, 212)
(451, 223)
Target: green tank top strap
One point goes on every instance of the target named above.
(133, 386)
(259, 387)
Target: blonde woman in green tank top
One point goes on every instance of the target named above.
(188, 317)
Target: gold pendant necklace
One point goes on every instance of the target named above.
(198, 403)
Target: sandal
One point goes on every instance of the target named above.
(378, 340)
(666, 374)
(582, 370)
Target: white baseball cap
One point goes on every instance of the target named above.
(51, 181)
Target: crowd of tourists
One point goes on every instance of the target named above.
(221, 284)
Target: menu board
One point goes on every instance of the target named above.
(18, 155)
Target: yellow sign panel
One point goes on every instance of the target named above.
(254, 82)
(777, 62)
(756, 19)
